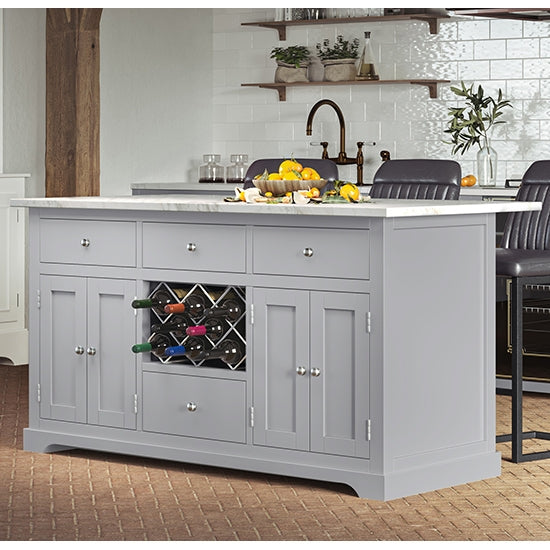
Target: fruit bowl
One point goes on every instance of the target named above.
(280, 187)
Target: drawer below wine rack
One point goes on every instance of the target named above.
(210, 408)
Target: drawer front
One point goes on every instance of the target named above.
(179, 404)
(335, 253)
(90, 242)
(195, 247)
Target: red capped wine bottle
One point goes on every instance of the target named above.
(193, 305)
(213, 328)
(229, 308)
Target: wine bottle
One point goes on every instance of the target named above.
(213, 328)
(193, 305)
(157, 344)
(192, 349)
(177, 324)
(229, 308)
(229, 351)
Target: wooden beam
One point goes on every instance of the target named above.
(72, 101)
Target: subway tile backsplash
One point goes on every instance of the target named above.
(508, 54)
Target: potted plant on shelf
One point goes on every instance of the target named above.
(292, 63)
(338, 60)
(472, 125)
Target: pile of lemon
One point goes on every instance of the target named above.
(291, 170)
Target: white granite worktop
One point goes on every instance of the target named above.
(211, 204)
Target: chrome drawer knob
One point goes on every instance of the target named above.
(308, 252)
(191, 247)
(315, 372)
(192, 407)
(301, 371)
(91, 351)
(85, 243)
(79, 350)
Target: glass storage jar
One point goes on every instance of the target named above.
(237, 169)
(211, 172)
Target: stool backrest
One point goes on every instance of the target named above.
(326, 168)
(531, 230)
(417, 179)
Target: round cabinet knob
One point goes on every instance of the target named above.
(191, 247)
(301, 371)
(308, 252)
(315, 372)
(85, 243)
(91, 351)
(79, 350)
(191, 407)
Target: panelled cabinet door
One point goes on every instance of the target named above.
(62, 348)
(111, 363)
(339, 368)
(281, 367)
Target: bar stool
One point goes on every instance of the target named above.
(417, 179)
(524, 259)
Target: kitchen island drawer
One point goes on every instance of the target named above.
(312, 252)
(89, 242)
(198, 247)
(212, 408)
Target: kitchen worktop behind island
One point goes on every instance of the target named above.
(350, 368)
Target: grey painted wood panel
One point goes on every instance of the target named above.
(62, 331)
(219, 413)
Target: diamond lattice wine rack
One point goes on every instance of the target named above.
(211, 329)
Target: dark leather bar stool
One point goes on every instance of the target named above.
(417, 179)
(524, 258)
(326, 168)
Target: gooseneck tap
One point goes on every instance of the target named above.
(342, 157)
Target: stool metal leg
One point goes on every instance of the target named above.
(516, 333)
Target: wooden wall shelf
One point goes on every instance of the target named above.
(280, 26)
(281, 87)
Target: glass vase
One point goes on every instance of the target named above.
(487, 166)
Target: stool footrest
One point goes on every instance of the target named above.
(526, 457)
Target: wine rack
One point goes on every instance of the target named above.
(212, 296)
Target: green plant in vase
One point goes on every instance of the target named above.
(471, 124)
(292, 63)
(338, 59)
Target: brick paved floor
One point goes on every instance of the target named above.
(80, 495)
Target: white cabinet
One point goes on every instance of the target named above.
(13, 331)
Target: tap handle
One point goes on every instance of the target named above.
(325, 149)
(385, 155)
(360, 158)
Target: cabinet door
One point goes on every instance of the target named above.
(281, 351)
(111, 364)
(339, 369)
(62, 348)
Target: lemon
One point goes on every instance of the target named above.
(274, 176)
(350, 192)
(289, 165)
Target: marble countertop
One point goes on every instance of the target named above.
(212, 204)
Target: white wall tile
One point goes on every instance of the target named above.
(506, 54)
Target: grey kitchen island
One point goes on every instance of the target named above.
(353, 365)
